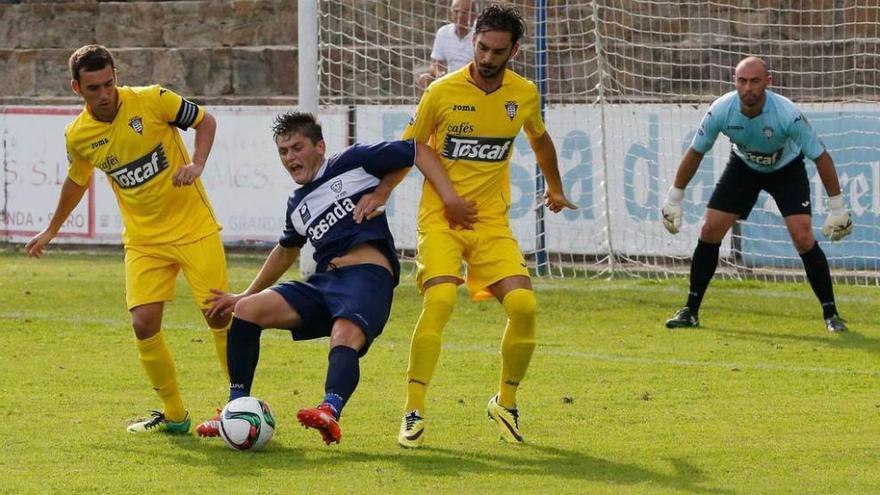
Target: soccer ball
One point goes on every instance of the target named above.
(246, 423)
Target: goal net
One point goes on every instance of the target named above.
(625, 84)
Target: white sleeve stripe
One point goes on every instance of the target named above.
(186, 115)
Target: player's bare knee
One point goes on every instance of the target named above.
(249, 309)
(217, 322)
(712, 234)
(348, 334)
(145, 326)
(803, 241)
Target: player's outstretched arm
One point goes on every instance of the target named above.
(458, 211)
(839, 222)
(554, 196)
(71, 195)
(372, 205)
(204, 140)
(276, 264)
(671, 209)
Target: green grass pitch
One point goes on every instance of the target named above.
(761, 399)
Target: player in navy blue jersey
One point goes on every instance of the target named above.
(348, 298)
(770, 138)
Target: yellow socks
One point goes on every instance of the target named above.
(517, 344)
(220, 347)
(157, 362)
(425, 347)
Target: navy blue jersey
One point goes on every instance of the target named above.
(322, 210)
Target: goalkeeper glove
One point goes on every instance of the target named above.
(672, 210)
(839, 223)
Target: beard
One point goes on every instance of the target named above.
(490, 72)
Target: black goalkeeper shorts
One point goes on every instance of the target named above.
(739, 186)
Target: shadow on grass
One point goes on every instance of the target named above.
(530, 460)
(527, 461)
(843, 340)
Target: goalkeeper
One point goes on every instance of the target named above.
(770, 137)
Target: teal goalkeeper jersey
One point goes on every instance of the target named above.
(766, 142)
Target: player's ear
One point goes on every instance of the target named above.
(514, 49)
(322, 146)
(74, 85)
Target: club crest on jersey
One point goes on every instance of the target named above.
(336, 186)
(511, 107)
(304, 214)
(137, 124)
(768, 132)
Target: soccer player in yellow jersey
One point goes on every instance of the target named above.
(130, 134)
(471, 117)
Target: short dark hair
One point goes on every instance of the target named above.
(295, 122)
(90, 57)
(502, 18)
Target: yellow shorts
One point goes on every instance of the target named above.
(491, 255)
(151, 271)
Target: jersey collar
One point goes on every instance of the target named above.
(321, 170)
(469, 78)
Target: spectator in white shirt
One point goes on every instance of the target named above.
(453, 44)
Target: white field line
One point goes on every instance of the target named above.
(681, 289)
(493, 350)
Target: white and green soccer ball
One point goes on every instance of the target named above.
(246, 423)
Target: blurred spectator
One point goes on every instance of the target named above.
(453, 44)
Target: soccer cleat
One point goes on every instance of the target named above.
(683, 318)
(211, 427)
(506, 419)
(412, 430)
(157, 422)
(835, 324)
(323, 419)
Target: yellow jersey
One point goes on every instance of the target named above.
(140, 151)
(473, 132)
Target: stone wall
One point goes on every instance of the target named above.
(245, 51)
(239, 51)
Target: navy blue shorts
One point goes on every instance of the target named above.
(360, 293)
(739, 186)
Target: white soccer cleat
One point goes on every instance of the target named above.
(506, 419)
(412, 430)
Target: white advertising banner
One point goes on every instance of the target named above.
(246, 184)
(644, 144)
(616, 164)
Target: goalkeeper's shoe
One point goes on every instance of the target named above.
(506, 419)
(412, 430)
(323, 419)
(211, 427)
(835, 324)
(683, 318)
(158, 422)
